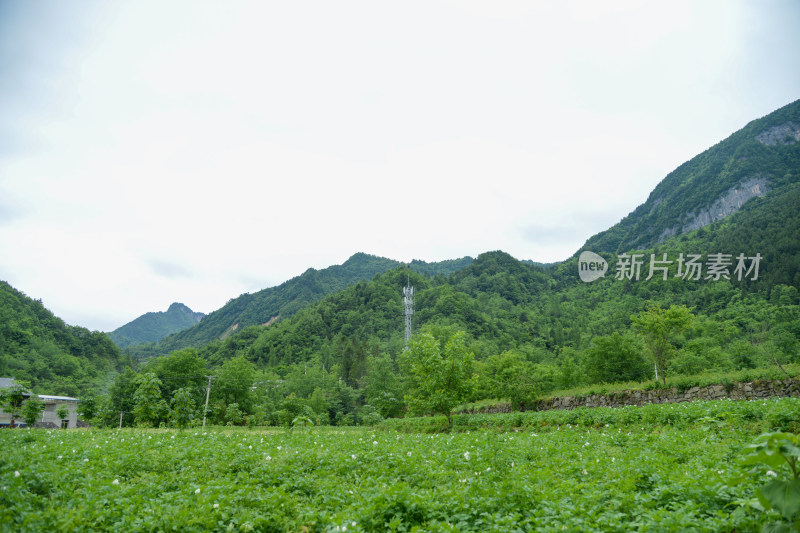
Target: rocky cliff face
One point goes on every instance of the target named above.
(728, 203)
(761, 159)
(783, 134)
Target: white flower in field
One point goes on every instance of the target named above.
(216, 506)
(279, 448)
(60, 456)
(115, 482)
(466, 456)
(173, 436)
(344, 528)
(769, 473)
(488, 468)
(613, 459)
(85, 460)
(16, 473)
(251, 446)
(268, 458)
(352, 457)
(197, 491)
(262, 441)
(408, 454)
(353, 523)
(584, 472)
(374, 443)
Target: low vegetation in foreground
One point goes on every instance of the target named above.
(687, 467)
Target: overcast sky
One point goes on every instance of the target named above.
(160, 151)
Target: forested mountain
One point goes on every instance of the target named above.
(726, 262)
(152, 327)
(762, 156)
(545, 312)
(56, 358)
(283, 301)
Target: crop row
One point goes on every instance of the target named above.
(777, 414)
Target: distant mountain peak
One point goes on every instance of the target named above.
(154, 326)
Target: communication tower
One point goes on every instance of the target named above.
(408, 309)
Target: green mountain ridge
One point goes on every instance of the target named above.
(762, 156)
(154, 326)
(286, 299)
(550, 316)
(56, 358)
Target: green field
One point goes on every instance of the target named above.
(656, 468)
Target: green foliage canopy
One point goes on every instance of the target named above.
(440, 373)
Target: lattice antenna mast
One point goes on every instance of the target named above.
(408, 309)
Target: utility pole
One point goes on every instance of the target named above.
(120, 419)
(205, 409)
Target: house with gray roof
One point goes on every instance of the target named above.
(49, 419)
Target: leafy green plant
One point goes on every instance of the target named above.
(300, 422)
(781, 496)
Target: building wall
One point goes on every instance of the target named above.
(49, 414)
(48, 418)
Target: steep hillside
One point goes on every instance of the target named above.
(58, 359)
(549, 315)
(283, 301)
(152, 327)
(763, 156)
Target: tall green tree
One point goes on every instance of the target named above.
(613, 358)
(147, 400)
(62, 412)
(508, 375)
(658, 326)
(11, 399)
(87, 408)
(182, 407)
(439, 372)
(181, 369)
(32, 410)
(234, 382)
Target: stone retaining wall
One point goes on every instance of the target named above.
(735, 391)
